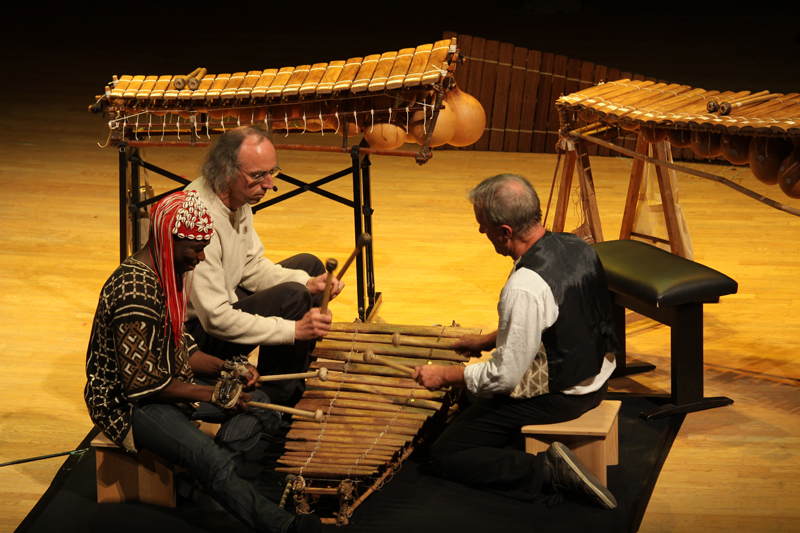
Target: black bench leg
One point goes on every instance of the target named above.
(623, 367)
(687, 365)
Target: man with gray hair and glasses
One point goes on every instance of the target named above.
(553, 354)
(240, 299)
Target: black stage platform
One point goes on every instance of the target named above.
(410, 502)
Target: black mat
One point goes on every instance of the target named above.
(410, 502)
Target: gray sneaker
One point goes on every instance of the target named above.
(569, 475)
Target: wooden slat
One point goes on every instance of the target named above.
(382, 72)
(465, 47)
(279, 82)
(299, 75)
(313, 79)
(556, 90)
(400, 68)
(367, 401)
(348, 74)
(515, 97)
(543, 101)
(128, 89)
(356, 386)
(476, 62)
(330, 77)
(601, 76)
(529, 101)
(491, 56)
(434, 69)
(263, 83)
(236, 80)
(118, 91)
(422, 331)
(147, 86)
(501, 91)
(362, 79)
(586, 81)
(418, 64)
(160, 87)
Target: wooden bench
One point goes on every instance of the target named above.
(593, 437)
(145, 477)
(671, 290)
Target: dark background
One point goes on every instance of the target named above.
(73, 49)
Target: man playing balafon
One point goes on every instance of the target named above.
(240, 299)
(140, 368)
(553, 354)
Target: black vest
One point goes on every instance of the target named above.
(584, 332)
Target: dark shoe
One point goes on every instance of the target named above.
(569, 475)
(305, 523)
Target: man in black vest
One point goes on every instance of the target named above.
(553, 354)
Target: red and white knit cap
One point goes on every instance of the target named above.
(182, 215)
(192, 220)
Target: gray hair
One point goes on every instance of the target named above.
(507, 199)
(222, 161)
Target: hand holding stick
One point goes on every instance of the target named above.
(370, 357)
(321, 373)
(362, 241)
(317, 416)
(330, 266)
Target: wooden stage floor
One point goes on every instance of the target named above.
(731, 469)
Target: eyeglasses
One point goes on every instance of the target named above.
(258, 177)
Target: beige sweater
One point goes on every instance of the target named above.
(235, 257)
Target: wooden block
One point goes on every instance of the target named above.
(593, 437)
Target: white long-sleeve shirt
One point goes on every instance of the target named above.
(526, 309)
(235, 257)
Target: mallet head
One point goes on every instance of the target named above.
(322, 374)
(369, 356)
(363, 240)
(331, 264)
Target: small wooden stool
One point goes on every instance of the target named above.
(593, 437)
(145, 477)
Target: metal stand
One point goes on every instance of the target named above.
(131, 205)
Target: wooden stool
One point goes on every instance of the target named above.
(593, 437)
(145, 477)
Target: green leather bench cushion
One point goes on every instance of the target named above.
(659, 278)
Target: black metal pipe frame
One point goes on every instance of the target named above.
(131, 202)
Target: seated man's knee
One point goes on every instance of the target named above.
(309, 263)
(295, 300)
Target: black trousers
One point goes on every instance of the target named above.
(474, 448)
(287, 300)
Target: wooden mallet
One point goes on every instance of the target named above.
(321, 373)
(330, 266)
(370, 357)
(362, 241)
(317, 416)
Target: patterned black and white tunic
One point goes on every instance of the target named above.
(131, 354)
